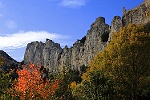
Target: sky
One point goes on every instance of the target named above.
(63, 21)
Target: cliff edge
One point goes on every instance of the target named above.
(52, 56)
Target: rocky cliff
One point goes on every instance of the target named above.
(52, 56)
(137, 15)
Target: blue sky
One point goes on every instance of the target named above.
(63, 21)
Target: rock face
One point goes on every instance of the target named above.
(52, 56)
(138, 15)
(44, 54)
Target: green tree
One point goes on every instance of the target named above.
(98, 87)
(1, 60)
(126, 60)
(5, 81)
(67, 77)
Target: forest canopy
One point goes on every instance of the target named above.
(123, 67)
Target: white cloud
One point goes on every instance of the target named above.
(73, 3)
(10, 24)
(19, 40)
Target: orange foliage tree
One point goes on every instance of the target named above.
(30, 84)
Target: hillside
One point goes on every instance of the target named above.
(9, 63)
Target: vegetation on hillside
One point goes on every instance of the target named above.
(120, 72)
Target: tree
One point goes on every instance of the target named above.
(126, 60)
(5, 80)
(67, 77)
(97, 87)
(1, 60)
(30, 84)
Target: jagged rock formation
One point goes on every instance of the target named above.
(52, 56)
(45, 54)
(138, 15)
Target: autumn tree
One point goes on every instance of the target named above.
(30, 84)
(126, 60)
